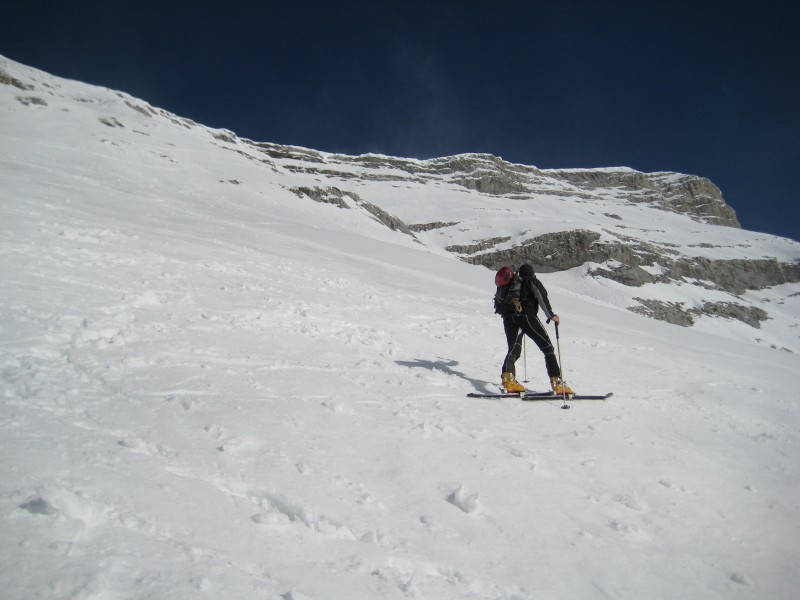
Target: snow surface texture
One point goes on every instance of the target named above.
(213, 388)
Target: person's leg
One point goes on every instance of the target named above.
(534, 329)
(514, 341)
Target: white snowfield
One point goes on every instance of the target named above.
(213, 388)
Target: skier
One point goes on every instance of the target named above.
(521, 319)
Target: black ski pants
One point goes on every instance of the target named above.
(517, 326)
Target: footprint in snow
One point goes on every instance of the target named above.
(463, 500)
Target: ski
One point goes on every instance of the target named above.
(568, 397)
(532, 396)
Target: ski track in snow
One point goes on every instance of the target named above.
(211, 390)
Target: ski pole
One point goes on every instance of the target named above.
(525, 357)
(560, 368)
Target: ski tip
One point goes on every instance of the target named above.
(590, 397)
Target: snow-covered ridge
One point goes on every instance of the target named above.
(230, 373)
(488, 174)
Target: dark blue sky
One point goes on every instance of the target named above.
(707, 88)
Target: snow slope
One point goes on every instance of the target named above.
(212, 388)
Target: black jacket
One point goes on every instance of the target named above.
(534, 296)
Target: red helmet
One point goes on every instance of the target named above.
(504, 276)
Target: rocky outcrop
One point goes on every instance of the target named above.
(382, 216)
(569, 249)
(624, 258)
(419, 227)
(491, 183)
(738, 275)
(751, 315)
(695, 196)
(337, 197)
(478, 246)
(630, 275)
(277, 151)
(734, 276)
(546, 253)
(7, 79)
(671, 312)
(686, 194)
(328, 195)
(488, 174)
(677, 314)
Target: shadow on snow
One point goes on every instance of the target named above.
(446, 366)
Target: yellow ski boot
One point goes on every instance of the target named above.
(560, 388)
(511, 385)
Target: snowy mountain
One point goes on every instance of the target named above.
(559, 220)
(232, 369)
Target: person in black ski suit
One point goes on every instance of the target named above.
(525, 321)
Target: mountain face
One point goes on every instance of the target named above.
(658, 235)
(601, 241)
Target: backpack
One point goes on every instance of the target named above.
(509, 289)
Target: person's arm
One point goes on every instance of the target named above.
(544, 302)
